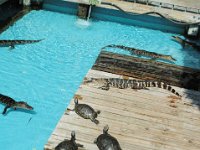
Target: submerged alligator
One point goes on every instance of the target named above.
(11, 103)
(12, 43)
(186, 42)
(145, 53)
(106, 83)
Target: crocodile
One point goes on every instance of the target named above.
(186, 42)
(12, 43)
(11, 103)
(145, 53)
(106, 83)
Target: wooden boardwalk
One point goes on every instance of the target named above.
(140, 120)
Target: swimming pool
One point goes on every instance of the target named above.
(46, 74)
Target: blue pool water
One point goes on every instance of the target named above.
(46, 74)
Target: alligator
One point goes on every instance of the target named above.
(185, 42)
(145, 53)
(11, 103)
(106, 83)
(12, 43)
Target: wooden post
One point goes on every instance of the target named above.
(83, 11)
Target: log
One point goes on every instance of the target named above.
(145, 69)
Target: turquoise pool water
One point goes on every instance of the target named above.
(46, 74)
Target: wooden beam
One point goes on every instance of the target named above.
(148, 70)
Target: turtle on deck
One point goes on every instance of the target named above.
(86, 111)
(107, 142)
(69, 144)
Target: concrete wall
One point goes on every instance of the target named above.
(60, 6)
(147, 21)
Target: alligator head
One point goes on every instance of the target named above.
(23, 105)
(169, 57)
(174, 36)
(177, 39)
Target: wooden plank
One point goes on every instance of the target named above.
(136, 130)
(141, 96)
(130, 117)
(133, 133)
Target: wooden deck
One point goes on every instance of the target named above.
(140, 120)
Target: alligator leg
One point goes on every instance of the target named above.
(12, 46)
(105, 87)
(70, 109)
(153, 59)
(5, 109)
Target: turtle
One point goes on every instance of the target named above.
(69, 144)
(86, 111)
(107, 142)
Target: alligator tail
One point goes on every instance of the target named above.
(27, 41)
(164, 86)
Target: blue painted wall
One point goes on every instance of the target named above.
(147, 21)
(60, 6)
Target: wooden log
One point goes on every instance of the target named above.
(148, 70)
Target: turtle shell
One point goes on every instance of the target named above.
(66, 145)
(85, 111)
(107, 142)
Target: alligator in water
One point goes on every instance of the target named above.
(145, 53)
(11, 103)
(12, 43)
(106, 83)
(185, 42)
